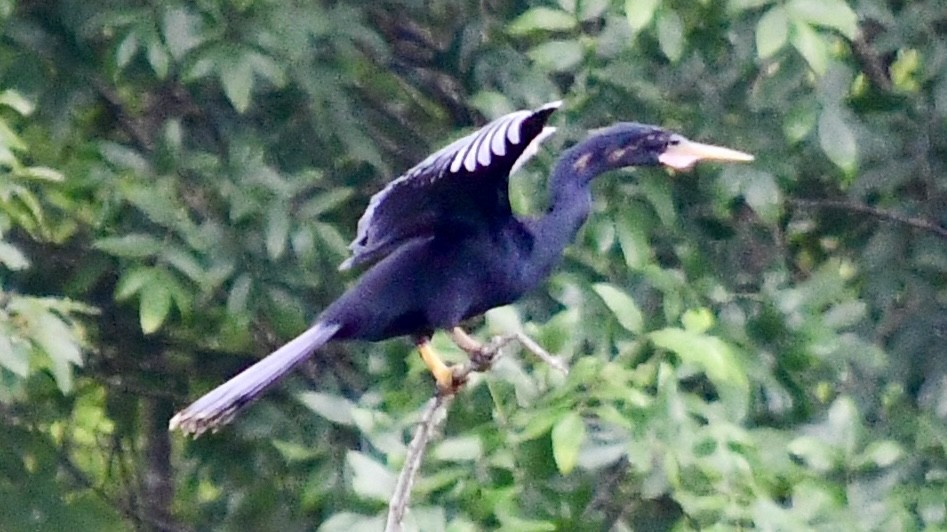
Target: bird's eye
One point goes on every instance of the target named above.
(674, 141)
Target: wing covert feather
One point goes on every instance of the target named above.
(466, 182)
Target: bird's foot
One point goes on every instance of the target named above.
(447, 378)
(450, 379)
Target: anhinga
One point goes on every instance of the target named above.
(446, 246)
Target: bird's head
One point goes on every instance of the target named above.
(634, 144)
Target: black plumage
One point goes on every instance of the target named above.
(446, 246)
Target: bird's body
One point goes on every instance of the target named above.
(444, 257)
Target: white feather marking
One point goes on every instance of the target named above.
(498, 142)
(513, 134)
(484, 141)
(485, 151)
(456, 162)
(507, 128)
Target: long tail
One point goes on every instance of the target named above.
(219, 406)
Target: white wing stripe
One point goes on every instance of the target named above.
(493, 139)
(485, 152)
(462, 146)
(513, 134)
(476, 146)
(498, 142)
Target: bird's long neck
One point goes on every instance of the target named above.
(570, 202)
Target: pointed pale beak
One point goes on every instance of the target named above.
(686, 153)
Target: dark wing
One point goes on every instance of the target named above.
(461, 184)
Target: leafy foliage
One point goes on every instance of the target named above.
(755, 346)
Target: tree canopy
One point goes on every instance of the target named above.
(750, 347)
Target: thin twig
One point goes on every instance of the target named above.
(530, 345)
(873, 65)
(891, 216)
(435, 413)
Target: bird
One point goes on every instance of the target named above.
(441, 244)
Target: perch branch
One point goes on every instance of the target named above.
(861, 208)
(435, 413)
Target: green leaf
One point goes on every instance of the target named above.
(736, 6)
(11, 141)
(715, 358)
(800, 120)
(670, 34)
(632, 229)
(657, 189)
(16, 101)
(503, 320)
(332, 407)
(844, 424)
(697, 320)
(127, 49)
(160, 205)
(622, 306)
(459, 449)
(57, 340)
(810, 46)
(369, 478)
(882, 453)
(837, 140)
(277, 231)
(593, 9)
(239, 294)
(12, 257)
(42, 173)
(294, 452)
(125, 158)
(558, 56)
(135, 245)
(236, 75)
(14, 358)
(542, 19)
(772, 32)
(905, 70)
(763, 195)
(352, 522)
(640, 13)
(567, 437)
(182, 298)
(835, 14)
(327, 201)
(816, 454)
(155, 305)
(184, 261)
(182, 31)
(267, 68)
(158, 57)
(132, 282)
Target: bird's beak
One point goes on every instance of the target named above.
(686, 153)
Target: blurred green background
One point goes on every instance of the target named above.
(755, 346)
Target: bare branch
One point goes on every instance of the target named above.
(434, 414)
(530, 345)
(873, 65)
(861, 208)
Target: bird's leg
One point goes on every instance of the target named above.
(464, 341)
(443, 375)
(481, 355)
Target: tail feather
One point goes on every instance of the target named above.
(219, 406)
